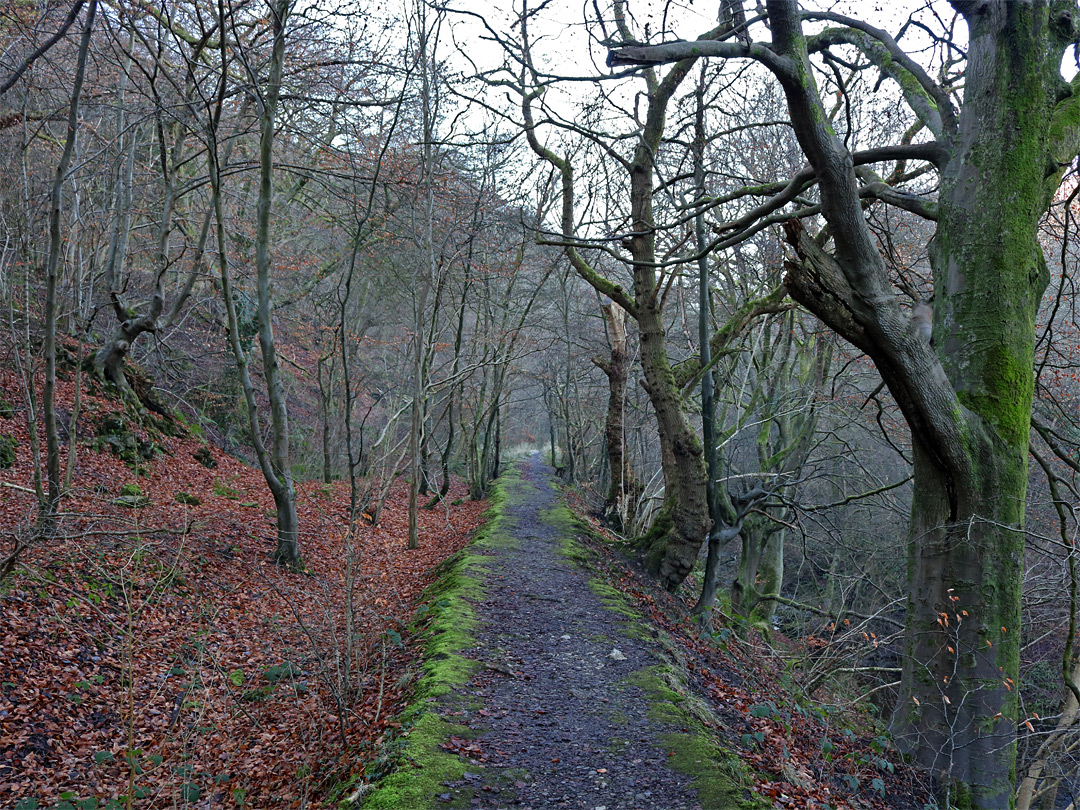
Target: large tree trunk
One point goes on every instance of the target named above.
(967, 525)
(958, 707)
(760, 571)
(675, 541)
(672, 554)
(969, 407)
(967, 398)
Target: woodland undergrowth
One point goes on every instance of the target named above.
(153, 654)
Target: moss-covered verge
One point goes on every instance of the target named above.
(571, 528)
(722, 780)
(447, 627)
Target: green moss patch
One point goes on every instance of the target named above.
(450, 623)
(571, 529)
(720, 778)
(7, 451)
(417, 780)
(428, 776)
(117, 435)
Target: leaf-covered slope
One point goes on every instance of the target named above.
(153, 649)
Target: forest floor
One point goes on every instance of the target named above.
(153, 656)
(558, 678)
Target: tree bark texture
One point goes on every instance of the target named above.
(673, 555)
(624, 488)
(968, 398)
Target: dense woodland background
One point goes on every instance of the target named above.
(376, 253)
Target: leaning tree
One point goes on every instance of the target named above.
(1000, 144)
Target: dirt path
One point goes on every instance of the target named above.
(560, 710)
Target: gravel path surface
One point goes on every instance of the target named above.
(558, 722)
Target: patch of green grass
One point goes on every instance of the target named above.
(614, 600)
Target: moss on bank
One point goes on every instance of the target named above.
(450, 623)
(720, 778)
(684, 723)
(571, 528)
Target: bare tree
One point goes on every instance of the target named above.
(273, 460)
(50, 506)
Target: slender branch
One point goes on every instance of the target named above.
(783, 600)
(41, 49)
(857, 497)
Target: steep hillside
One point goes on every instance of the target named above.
(153, 653)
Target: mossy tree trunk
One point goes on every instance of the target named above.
(673, 552)
(682, 453)
(770, 576)
(967, 539)
(761, 568)
(967, 398)
(787, 375)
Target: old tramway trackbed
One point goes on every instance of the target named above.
(556, 696)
